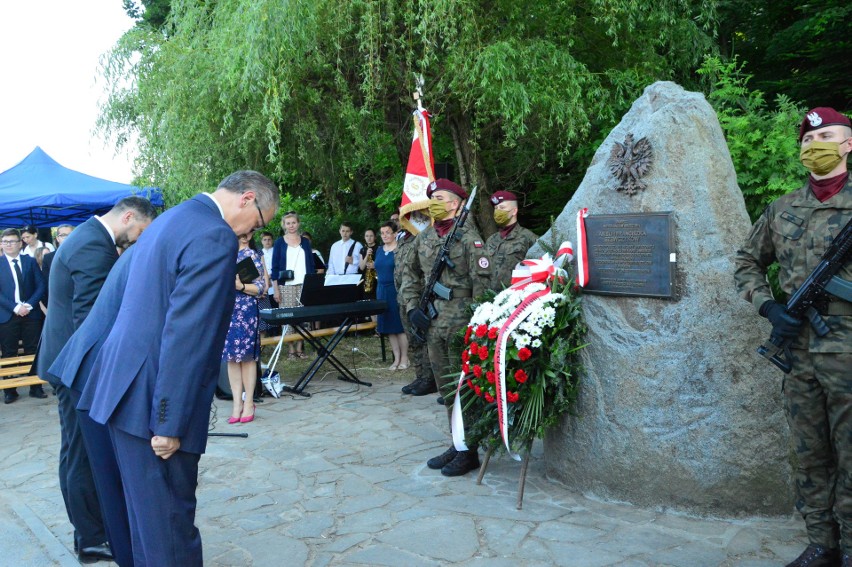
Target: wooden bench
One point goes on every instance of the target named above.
(265, 341)
(15, 366)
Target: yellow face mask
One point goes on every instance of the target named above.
(437, 210)
(821, 157)
(502, 218)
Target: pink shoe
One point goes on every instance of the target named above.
(233, 420)
(248, 418)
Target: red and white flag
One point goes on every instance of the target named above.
(418, 175)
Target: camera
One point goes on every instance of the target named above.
(287, 275)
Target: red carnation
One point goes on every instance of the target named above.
(490, 377)
(466, 367)
(465, 355)
(477, 390)
(483, 352)
(489, 398)
(467, 335)
(481, 331)
(512, 397)
(477, 371)
(492, 333)
(469, 384)
(473, 348)
(520, 376)
(524, 353)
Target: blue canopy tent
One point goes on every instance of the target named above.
(40, 192)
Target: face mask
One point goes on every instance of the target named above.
(821, 157)
(437, 210)
(502, 218)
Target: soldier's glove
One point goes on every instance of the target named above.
(783, 325)
(419, 319)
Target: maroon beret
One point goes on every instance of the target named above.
(500, 196)
(820, 118)
(445, 185)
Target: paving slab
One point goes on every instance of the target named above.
(340, 479)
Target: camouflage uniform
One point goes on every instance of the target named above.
(405, 251)
(505, 253)
(468, 280)
(795, 230)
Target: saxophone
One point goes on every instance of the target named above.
(369, 274)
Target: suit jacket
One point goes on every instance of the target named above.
(74, 362)
(80, 267)
(32, 288)
(46, 262)
(158, 368)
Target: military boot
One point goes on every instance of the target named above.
(463, 463)
(423, 388)
(441, 460)
(815, 556)
(407, 388)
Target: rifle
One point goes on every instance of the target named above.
(422, 316)
(815, 291)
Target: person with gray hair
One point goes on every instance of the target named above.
(153, 381)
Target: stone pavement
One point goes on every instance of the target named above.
(340, 479)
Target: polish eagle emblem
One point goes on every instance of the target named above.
(628, 162)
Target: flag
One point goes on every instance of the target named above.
(418, 175)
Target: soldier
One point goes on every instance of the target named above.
(424, 382)
(510, 244)
(468, 279)
(795, 231)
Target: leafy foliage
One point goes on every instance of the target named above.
(315, 92)
(762, 141)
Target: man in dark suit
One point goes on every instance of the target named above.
(21, 288)
(153, 381)
(79, 269)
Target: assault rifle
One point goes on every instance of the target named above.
(813, 293)
(421, 317)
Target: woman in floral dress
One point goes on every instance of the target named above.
(242, 349)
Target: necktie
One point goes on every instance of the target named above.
(18, 272)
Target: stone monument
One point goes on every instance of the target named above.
(675, 409)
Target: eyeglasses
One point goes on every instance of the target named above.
(62, 235)
(9, 242)
(262, 220)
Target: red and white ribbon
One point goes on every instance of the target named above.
(543, 269)
(583, 250)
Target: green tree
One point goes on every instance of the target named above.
(316, 92)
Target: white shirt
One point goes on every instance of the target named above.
(25, 251)
(267, 261)
(218, 206)
(108, 229)
(296, 262)
(337, 257)
(15, 276)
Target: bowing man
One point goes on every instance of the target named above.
(153, 380)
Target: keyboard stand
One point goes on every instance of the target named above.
(325, 352)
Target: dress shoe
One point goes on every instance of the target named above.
(407, 388)
(37, 392)
(441, 401)
(232, 420)
(10, 396)
(441, 460)
(248, 418)
(424, 388)
(816, 556)
(95, 553)
(462, 463)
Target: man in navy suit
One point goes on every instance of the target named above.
(21, 288)
(79, 269)
(153, 381)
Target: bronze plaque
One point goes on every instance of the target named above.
(631, 254)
